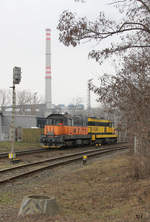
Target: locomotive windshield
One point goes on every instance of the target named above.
(58, 120)
(55, 122)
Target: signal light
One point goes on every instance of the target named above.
(16, 75)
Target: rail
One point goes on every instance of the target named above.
(13, 173)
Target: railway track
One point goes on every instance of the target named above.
(24, 152)
(28, 152)
(13, 173)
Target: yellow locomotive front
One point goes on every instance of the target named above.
(101, 131)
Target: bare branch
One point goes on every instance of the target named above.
(145, 5)
(133, 29)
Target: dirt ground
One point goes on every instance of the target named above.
(101, 191)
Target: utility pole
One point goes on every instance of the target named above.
(16, 80)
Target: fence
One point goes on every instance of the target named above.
(31, 135)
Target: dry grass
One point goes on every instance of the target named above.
(140, 166)
(6, 146)
(99, 192)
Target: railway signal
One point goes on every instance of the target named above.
(16, 75)
(16, 80)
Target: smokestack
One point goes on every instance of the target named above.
(48, 94)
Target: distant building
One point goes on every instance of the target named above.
(76, 107)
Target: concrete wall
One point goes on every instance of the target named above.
(23, 121)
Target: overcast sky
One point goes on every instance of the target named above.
(23, 24)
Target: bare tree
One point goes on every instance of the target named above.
(5, 98)
(25, 98)
(75, 105)
(129, 91)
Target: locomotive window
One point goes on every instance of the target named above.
(69, 122)
(110, 124)
(100, 124)
(65, 122)
(49, 121)
(91, 123)
(54, 121)
(58, 122)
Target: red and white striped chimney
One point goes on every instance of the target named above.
(48, 93)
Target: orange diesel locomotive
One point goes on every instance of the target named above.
(63, 130)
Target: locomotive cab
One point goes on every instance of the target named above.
(54, 127)
(55, 124)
